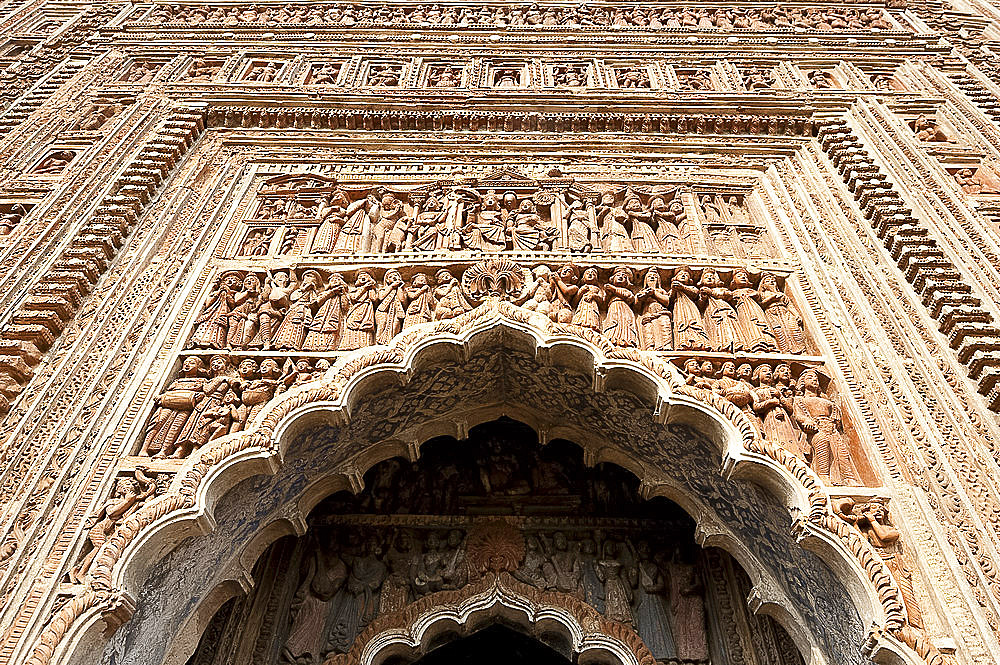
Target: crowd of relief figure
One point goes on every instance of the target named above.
(679, 309)
(528, 15)
(309, 215)
(640, 569)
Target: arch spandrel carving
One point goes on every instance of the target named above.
(326, 433)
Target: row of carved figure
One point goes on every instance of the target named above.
(651, 18)
(793, 413)
(357, 575)
(462, 218)
(662, 310)
(203, 404)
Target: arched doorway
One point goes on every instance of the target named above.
(495, 549)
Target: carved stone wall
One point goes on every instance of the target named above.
(746, 251)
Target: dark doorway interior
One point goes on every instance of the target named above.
(495, 645)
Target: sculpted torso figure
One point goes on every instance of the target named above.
(448, 295)
(274, 303)
(291, 332)
(720, 317)
(589, 299)
(654, 321)
(785, 323)
(819, 418)
(391, 308)
(174, 407)
(774, 408)
(752, 326)
(359, 320)
(689, 331)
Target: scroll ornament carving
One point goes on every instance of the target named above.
(98, 589)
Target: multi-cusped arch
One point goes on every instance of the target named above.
(172, 564)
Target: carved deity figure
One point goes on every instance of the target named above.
(927, 130)
(402, 562)
(212, 324)
(819, 418)
(419, 301)
(619, 580)
(579, 216)
(640, 220)
(688, 610)
(539, 295)
(331, 212)
(448, 297)
(275, 301)
(359, 319)
(652, 611)
(611, 220)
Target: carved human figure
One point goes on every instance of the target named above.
(640, 221)
(174, 407)
(872, 519)
(687, 605)
(358, 327)
(619, 581)
(653, 302)
(212, 323)
(566, 283)
(129, 495)
(619, 322)
(652, 610)
(355, 234)
(448, 297)
(367, 573)
(588, 302)
(581, 233)
(402, 562)
(324, 74)
(539, 295)
(689, 329)
(455, 574)
(257, 392)
(291, 332)
(428, 226)
(241, 319)
(752, 326)
(567, 566)
(445, 76)
(486, 230)
(593, 588)
(430, 566)
(322, 581)
(419, 301)
(390, 211)
(535, 569)
(528, 231)
(819, 418)
(693, 369)
(720, 317)
(265, 73)
(611, 221)
(665, 218)
(391, 309)
(331, 213)
(204, 422)
(55, 162)
(12, 217)
(784, 321)
(275, 301)
(775, 412)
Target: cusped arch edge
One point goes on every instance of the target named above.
(215, 469)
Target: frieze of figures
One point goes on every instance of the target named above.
(678, 309)
(527, 16)
(310, 215)
(789, 404)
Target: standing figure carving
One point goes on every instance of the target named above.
(654, 318)
(589, 299)
(242, 319)
(720, 317)
(567, 566)
(291, 332)
(402, 569)
(689, 330)
(774, 408)
(448, 297)
(819, 418)
(212, 324)
(566, 283)
(754, 331)
(359, 320)
(688, 605)
(611, 220)
(326, 328)
(274, 303)
(652, 613)
(332, 215)
(640, 221)
(391, 309)
(619, 323)
(786, 324)
(420, 301)
(174, 407)
(619, 580)
(323, 580)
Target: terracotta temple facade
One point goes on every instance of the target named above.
(603, 333)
